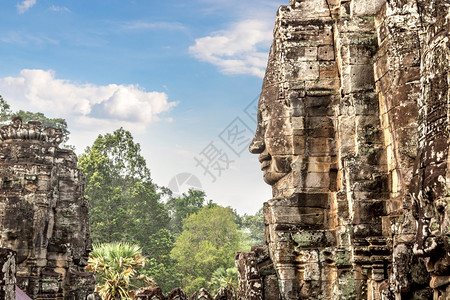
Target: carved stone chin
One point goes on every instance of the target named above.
(274, 168)
(272, 178)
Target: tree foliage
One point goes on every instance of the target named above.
(182, 207)
(116, 266)
(224, 278)
(208, 242)
(253, 228)
(125, 205)
(5, 111)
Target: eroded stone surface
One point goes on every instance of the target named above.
(7, 273)
(178, 294)
(44, 215)
(257, 276)
(353, 136)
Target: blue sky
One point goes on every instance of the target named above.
(177, 74)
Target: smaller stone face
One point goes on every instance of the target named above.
(31, 131)
(44, 215)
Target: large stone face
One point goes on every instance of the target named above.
(353, 136)
(44, 215)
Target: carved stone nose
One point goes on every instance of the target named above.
(257, 146)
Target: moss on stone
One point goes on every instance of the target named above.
(347, 286)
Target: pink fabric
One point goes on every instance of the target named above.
(20, 295)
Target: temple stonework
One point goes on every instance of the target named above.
(353, 137)
(44, 227)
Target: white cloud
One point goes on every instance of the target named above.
(59, 8)
(142, 25)
(241, 49)
(25, 5)
(131, 103)
(87, 105)
(24, 39)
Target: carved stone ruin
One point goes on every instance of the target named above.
(353, 137)
(43, 213)
(178, 294)
(7, 273)
(257, 274)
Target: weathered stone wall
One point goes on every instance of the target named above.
(178, 294)
(43, 212)
(257, 275)
(431, 178)
(353, 136)
(7, 273)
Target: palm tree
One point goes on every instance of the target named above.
(116, 266)
(227, 278)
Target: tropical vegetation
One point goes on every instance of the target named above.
(142, 234)
(117, 266)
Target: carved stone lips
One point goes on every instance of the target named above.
(265, 160)
(265, 165)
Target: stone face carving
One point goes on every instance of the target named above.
(430, 187)
(353, 137)
(296, 142)
(44, 215)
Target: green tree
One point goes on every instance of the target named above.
(209, 241)
(182, 207)
(224, 278)
(125, 205)
(116, 266)
(253, 228)
(5, 112)
(161, 266)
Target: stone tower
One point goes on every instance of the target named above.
(353, 136)
(43, 212)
